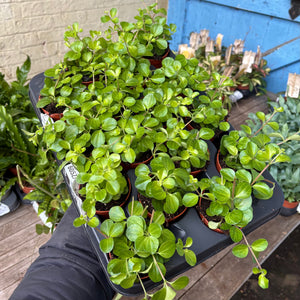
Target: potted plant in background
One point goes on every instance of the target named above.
(286, 174)
(147, 37)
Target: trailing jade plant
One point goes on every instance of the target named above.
(230, 198)
(139, 247)
(148, 36)
(163, 184)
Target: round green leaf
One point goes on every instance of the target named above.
(190, 257)
(180, 283)
(93, 222)
(98, 138)
(227, 174)
(234, 217)
(155, 230)
(107, 245)
(147, 244)
(262, 191)
(117, 214)
(167, 249)
(59, 126)
(260, 245)
(263, 282)
(240, 251)
(235, 234)
(190, 199)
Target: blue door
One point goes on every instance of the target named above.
(264, 23)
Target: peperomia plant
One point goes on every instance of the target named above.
(139, 247)
(230, 199)
(163, 184)
(148, 36)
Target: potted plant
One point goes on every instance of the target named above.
(226, 205)
(139, 247)
(147, 37)
(287, 174)
(162, 186)
(251, 149)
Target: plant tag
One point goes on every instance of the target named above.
(78, 203)
(228, 55)
(238, 46)
(257, 56)
(42, 215)
(71, 173)
(209, 48)
(4, 209)
(293, 86)
(236, 96)
(215, 59)
(219, 42)
(248, 60)
(188, 52)
(45, 119)
(195, 39)
(204, 37)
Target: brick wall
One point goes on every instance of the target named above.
(36, 28)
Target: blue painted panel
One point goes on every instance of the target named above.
(255, 28)
(275, 8)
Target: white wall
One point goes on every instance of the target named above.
(36, 28)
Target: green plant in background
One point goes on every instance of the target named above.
(286, 174)
(140, 247)
(255, 80)
(253, 149)
(50, 190)
(148, 36)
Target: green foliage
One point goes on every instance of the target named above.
(141, 247)
(287, 173)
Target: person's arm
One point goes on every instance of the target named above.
(67, 268)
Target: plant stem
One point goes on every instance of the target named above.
(265, 168)
(264, 124)
(32, 182)
(160, 272)
(250, 248)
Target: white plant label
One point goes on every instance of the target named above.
(45, 119)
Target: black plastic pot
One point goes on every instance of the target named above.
(206, 242)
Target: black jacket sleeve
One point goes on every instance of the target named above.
(66, 269)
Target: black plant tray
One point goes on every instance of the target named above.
(206, 242)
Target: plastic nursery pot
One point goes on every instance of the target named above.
(53, 116)
(27, 189)
(157, 63)
(289, 208)
(105, 213)
(218, 165)
(128, 166)
(242, 87)
(168, 219)
(13, 171)
(205, 221)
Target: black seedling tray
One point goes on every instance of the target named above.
(206, 242)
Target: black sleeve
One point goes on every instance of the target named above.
(66, 269)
